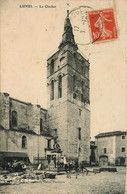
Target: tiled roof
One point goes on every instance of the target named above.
(112, 133)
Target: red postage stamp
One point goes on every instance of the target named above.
(102, 25)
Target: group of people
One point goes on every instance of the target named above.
(69, 166)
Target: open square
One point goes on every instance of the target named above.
(99, 183)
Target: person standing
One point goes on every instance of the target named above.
(69, 169)
(76, 169)
(66, 169)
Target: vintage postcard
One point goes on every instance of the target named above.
(63, 116)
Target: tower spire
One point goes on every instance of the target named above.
(67, 13)
(68, 37)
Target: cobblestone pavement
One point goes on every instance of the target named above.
(101, 183)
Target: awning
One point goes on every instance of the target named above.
(13, 154)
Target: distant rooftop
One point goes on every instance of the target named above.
(112, 133)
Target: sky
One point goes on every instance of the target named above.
(30, 35)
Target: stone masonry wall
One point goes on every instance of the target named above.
(109, 144)
(63, 113)
(57, 119)
(4, 110)
(78, 148)
(119, 144)
(28, 115)
(11, 141)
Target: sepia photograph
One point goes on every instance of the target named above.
(63, 96)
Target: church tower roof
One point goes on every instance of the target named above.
(68, 37)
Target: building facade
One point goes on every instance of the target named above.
(68, 97)
(113, 146)
(23, 130)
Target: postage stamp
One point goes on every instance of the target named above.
(91, 26)
(102, 25)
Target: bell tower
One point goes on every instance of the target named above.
(68, 97)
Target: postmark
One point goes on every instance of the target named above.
(91, 26)
(79, 20)
(102, 25)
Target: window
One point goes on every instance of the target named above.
(74, 95)
(74, 82)
(82, 97)
(62, 61)
(45, 115)
(105, 150)
(41, 125)
(83, 62)
(24, 142)
(52, 90)
(123, 149)
(80, 111)
(84, 71)
(14, 119)
(81, 69)
(60, 86)
(82, 85)
(79, 133)
(49, 143)
(52, 67)
(123, 136)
